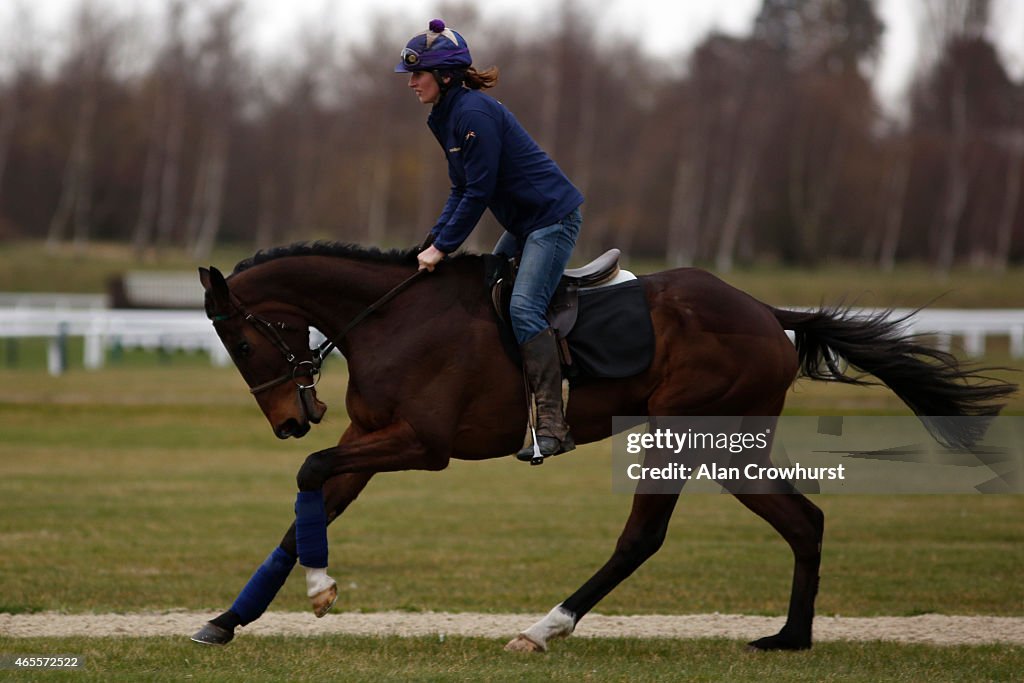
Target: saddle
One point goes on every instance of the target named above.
(621, 302)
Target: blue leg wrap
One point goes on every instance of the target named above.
(263, 586)
(311, 529)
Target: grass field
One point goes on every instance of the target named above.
(356, 659)
(117, 486)
(156, 484)
(148, 487)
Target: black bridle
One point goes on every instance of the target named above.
(305, 368)
(299, 368)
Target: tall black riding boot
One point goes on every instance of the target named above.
(543, 371)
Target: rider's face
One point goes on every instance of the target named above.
(425, 86)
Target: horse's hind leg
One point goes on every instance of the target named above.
(642, 537)
(802, 524)
(269, 577)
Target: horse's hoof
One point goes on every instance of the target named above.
(324, 600)
(211, 634)
(523, 644)
(779, 642)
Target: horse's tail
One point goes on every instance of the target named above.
(933, 383)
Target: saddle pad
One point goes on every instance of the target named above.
(613, 336)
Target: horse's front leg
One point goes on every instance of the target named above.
(396, 447)
(269, 577)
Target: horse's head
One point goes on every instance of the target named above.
(270, 347)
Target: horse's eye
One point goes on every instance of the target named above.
(243, 349)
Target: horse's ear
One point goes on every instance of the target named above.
(216, 289)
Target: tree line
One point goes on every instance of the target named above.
(768, 146)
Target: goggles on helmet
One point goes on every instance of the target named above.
(410, 57)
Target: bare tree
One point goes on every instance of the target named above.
(815, 165)
(957, 176)
(894, 193)
(304, 142)
(735, 114)
(379, 186)
(943, 21)
(550, 90)
(143, 233)
(208, 200)
(9, 116)
(686, 200)
(692, 165)
(1014, 145)
(950, 28)
(24, 57)
(87, 68)
(159, 202)
(223, 70)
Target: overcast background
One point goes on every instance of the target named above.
(667, 28)
(830, 130)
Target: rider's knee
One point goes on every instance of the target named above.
(527, 319)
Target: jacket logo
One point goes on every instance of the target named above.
(470, 134)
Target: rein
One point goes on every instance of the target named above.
(308, 368)
(324, 349)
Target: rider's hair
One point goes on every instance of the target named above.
(481, 80)
(470, 77)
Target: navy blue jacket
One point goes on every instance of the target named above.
(494, 163)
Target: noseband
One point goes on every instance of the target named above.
(299, 368)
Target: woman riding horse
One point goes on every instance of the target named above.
(718, 352)
(494, 163)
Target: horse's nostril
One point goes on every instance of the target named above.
(286, 429)
(292, 428)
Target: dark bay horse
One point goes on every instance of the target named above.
(429, 381)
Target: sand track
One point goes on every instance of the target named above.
(932, 629)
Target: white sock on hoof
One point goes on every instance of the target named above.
(317, 581)
(557, 624)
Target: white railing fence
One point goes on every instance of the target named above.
(103, 330)
(27, 301)
(972, 326)
(168, 330)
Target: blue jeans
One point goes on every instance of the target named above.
(545, 253)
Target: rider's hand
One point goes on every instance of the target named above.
(427, 241)
(429, 258)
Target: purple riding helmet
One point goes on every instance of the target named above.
(438, 48)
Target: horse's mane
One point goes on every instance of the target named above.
(404, 257)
